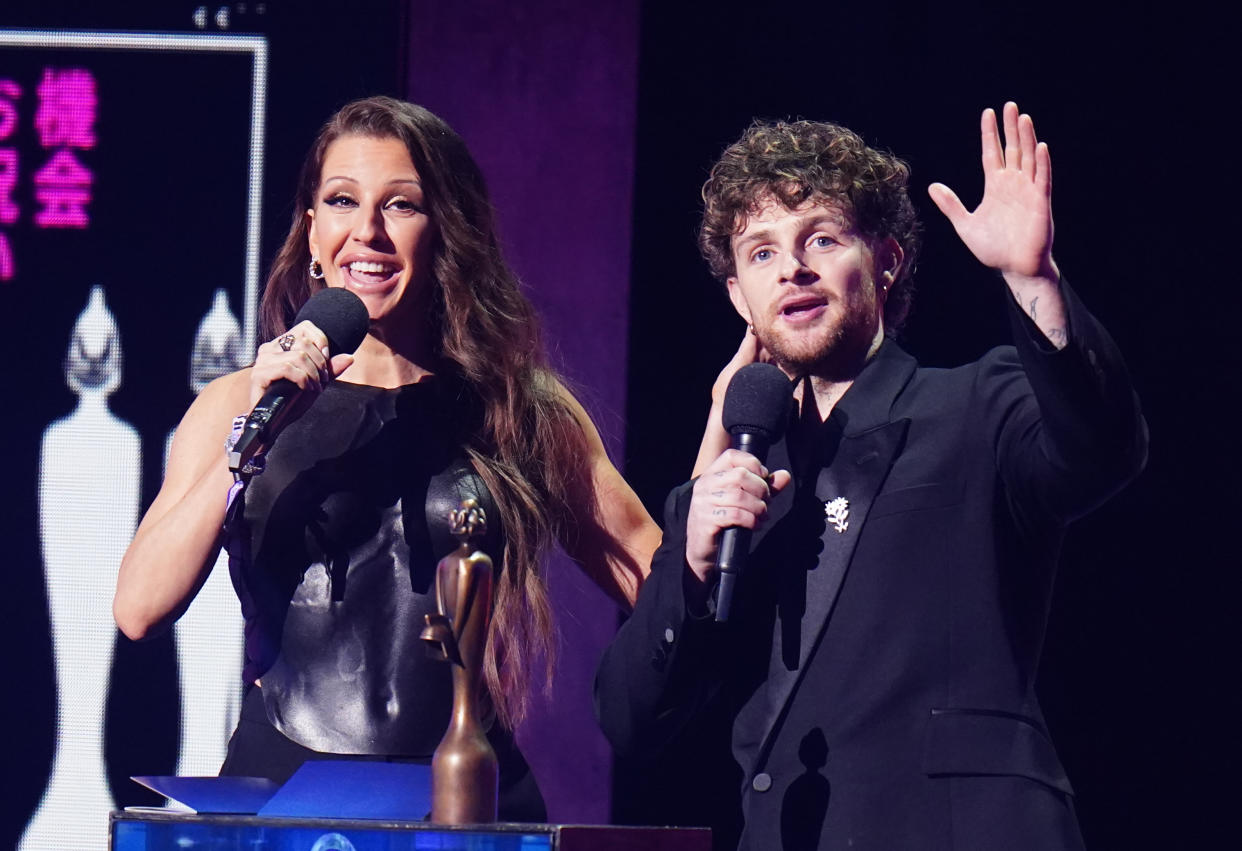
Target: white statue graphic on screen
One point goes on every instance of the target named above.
(209, 635)
(88, 508)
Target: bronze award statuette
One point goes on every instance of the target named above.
(464, 773)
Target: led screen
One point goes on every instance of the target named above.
(129, 261)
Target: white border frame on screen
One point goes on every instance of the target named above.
(256, 45)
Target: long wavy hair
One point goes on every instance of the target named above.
(524, 441)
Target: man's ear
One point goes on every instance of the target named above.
(739, 300)
(888, 261)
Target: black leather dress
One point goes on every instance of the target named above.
(333, 551)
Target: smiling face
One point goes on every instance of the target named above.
(369, 227)
(807, 282)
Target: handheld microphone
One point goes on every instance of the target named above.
(344, 320)
(756, 410)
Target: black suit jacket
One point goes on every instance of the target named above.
(880, 667)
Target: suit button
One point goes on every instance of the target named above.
(659, 658)
(668, 635)
(762, 782)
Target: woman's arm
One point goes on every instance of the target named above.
(616, 536)
(179, 538)
(715, 438)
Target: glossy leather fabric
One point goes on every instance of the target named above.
(334, 555)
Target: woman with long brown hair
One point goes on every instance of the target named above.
(332, 548)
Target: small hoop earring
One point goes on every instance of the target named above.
(750, 329)
(316, 270)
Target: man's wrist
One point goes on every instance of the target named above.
(699, 591)
(1048, 278)
(1039, 298)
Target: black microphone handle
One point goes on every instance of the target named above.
(730, 557)
(734, 543)
(263, 423)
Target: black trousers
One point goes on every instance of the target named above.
(258, 749)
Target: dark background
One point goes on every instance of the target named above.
(1141, 680)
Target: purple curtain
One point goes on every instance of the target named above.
(544, 94)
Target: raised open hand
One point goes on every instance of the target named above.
(1011, 229)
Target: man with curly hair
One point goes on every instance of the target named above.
(879, 660)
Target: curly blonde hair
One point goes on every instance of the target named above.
(795, 162)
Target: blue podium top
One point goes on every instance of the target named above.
(163, 830)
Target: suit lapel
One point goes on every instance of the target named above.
(849, 481)
(847, 486)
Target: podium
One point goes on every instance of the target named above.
(165, 830)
